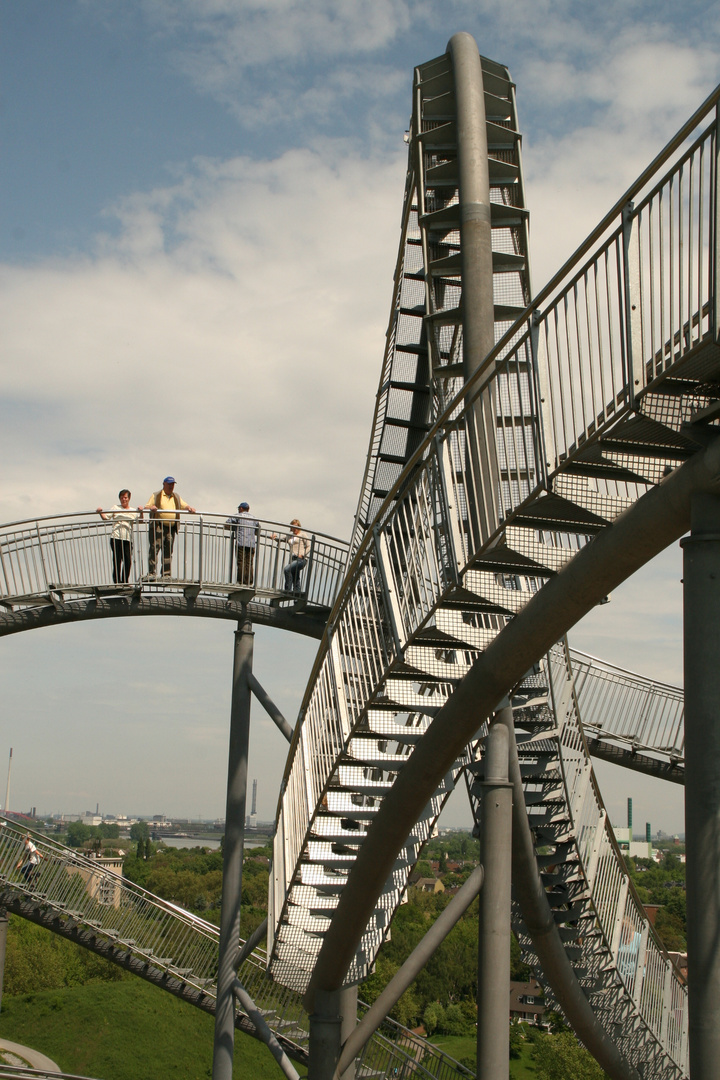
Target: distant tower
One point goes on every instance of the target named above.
(648, 832)
(253, 812)
(630, 817)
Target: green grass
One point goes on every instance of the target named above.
(125, 1030)
(523, 1068)
(462, 1048)
(459, 1047)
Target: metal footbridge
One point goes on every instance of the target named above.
(527, 455)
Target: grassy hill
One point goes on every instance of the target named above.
(127, 1030)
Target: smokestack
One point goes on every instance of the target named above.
(7, 789)
(630, 817)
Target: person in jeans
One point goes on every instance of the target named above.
(163, 506)
(32, 860)
(122, 517)
(298, 544)
(246, 530)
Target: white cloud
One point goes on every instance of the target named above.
(247, 33)
(231, 334)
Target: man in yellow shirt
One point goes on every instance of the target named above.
(163, 506)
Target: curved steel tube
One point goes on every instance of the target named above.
(646, 528)
(170, 603)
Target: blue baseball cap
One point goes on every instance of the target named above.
(169, 480)
(244, 506)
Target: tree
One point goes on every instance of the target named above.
(433, 1017)
(558, 1057)
(139, 831)
(77, 833)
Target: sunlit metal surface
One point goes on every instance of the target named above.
(605, 385)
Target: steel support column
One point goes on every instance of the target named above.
(701, 591)
(331, 1024)
(325, 1035)
(493, 992)
(233, 851)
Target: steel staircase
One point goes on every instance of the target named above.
(422, 367)
(82, 900)
(582, 406)
(617, 958)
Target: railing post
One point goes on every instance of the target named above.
(42, 556)
(493, 991)
(701, 639)
(632, 304)
(233, 851)
(200, 552)
(3, 943)
(308, 569)
(390, 604)
(715, 234)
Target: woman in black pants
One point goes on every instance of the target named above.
(122, 517)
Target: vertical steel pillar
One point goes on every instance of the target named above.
(701, 636)
(334, 1018)
(325, 1035)
(493, 992)
(3, 943)
(233, 850)
(478, 308)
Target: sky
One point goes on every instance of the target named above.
(199, 222)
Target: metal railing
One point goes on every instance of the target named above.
(633, 950)
(72, 554)
(628, 708)
(162, 934)
(613, 326)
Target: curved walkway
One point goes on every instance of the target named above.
(34, 1058)
(59, 569)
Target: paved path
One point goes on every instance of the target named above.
(32, 1057)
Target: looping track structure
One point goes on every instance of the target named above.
(479, 496)
(526, 456)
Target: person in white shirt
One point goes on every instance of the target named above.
(299, 544)
(122, 517)
(32, 860)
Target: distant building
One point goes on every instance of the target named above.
(634, 849)
(527, 1002)
(430, 884)
(101, 887)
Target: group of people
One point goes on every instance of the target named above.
(164, 508)
(246, 528)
